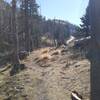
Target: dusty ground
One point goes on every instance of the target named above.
(50, 78)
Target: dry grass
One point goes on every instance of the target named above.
(43, 51)
(45, 57)
(55, 82)
(56, 52)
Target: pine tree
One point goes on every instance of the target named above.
(30, 13)
(85, 26)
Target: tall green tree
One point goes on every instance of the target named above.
(85, 26)
(29, 10)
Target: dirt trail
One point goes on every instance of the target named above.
(51, 78)
(60, 76)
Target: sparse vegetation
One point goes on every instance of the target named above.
(48, 59)
(49, 79)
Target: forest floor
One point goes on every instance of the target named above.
(50, 75)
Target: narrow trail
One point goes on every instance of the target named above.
(60, 76)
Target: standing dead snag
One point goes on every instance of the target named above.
(94, 54)
(27, 34)
(15, 58)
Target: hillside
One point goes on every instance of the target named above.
(50, 75)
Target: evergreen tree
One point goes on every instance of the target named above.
(29, 14)
(85, 26)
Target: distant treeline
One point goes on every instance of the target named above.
(22, 26)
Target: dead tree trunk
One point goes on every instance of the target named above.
(95, 48)
(27, 34)
(15, 58)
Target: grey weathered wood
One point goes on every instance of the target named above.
(15, 58)
(94, 54)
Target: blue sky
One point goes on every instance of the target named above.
(69, 10)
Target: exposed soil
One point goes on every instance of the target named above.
(52, 77)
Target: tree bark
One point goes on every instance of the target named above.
(95, 48)
(15, 58)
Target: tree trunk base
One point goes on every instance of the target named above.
(17, 68)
